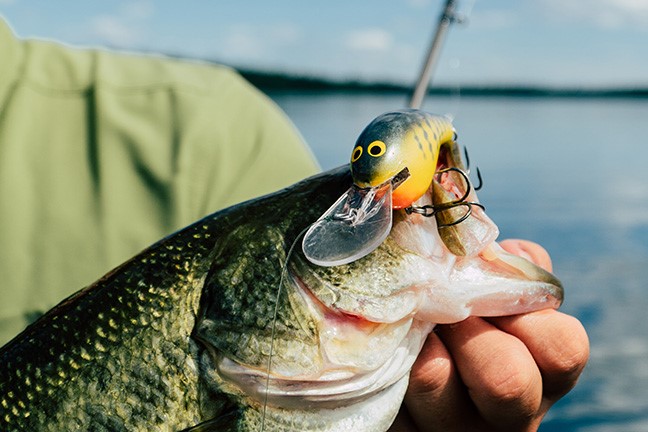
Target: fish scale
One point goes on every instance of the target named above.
(218, 327)
(126, 335)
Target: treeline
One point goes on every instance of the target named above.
(273, 81)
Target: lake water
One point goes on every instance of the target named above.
(570, 174)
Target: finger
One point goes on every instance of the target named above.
(558, 343)
(436, 399)
(529, 250)
(502, 378)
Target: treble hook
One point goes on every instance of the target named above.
(479, 177)
(465, 178)
(430, 210)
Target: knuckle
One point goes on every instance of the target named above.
(573, 360)
(432, 378)
(513, 387)
(569, 359)
(514, 400)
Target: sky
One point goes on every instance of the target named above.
(558, 43)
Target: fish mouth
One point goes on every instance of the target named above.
(361, 358)
(445, 273)
(481, 278)
(364, 356)
(327, 389)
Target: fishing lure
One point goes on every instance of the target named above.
(392, 165)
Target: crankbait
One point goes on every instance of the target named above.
(392, 165)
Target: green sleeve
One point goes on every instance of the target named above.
(103, 153)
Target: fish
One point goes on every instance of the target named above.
(226, 325)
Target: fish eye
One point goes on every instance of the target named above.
(376, 148)
(357, 152)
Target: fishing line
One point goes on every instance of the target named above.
(454, 91)
(284, 269)
(461, 17)
(467, 10)
(449, 15)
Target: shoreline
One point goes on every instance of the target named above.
(274, 81)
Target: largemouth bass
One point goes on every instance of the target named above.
(226, 325)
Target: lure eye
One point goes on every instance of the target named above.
(357, 152)
(376, 148)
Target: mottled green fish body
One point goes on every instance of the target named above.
(217, 327)
(118, 355)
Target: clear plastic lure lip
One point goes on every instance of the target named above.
(356, 224)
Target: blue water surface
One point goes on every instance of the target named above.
(570, 174)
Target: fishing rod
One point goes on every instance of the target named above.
(448, 17)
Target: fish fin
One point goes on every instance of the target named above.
(225, 422)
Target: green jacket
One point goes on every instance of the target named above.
(102, 154)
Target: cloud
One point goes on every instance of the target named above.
(114, 31)
(249, 42)
(493, 19)
(627, 11)
(605, 14)
(243, 40)
(126, 27)
(630, 5)
(371, 39)
(138, 10)
(283, 33)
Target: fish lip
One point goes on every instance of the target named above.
(493, 283)
(527, 270)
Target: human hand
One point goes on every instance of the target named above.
(495, 373)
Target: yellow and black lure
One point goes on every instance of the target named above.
(396, 141)
(392, 165)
